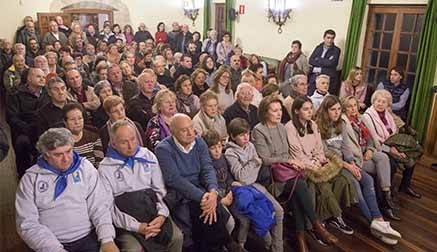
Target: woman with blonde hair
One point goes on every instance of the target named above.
(365, 153)
(158, 128)
(356, 86)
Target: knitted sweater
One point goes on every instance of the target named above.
(190, 173)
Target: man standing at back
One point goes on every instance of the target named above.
(324, 60)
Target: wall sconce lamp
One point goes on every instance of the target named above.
(279, 11)
(191, 10)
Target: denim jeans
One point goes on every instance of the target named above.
(366, 194)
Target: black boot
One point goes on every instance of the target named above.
(388, 213)
(388, 200)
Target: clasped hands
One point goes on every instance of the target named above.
(152, 228)
(354, 169)
(208, 204)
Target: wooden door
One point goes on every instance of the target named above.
(45, 18)
(91, 16)
(220, 16)
(392, 39)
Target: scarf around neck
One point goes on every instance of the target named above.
(164, 131)
(361, 130)
(61, 180)
(380, 127)
(185, 100)
(129, 161)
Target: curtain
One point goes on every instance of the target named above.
(206, 17)
(229, 23)
(353, 36)
(421, 98)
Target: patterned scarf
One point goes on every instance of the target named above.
(61, 180)
(361, 130)
(184, 100)
(289, 59)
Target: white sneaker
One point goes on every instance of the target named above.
(384, 228)
(384, 239)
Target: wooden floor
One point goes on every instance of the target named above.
(418, 226)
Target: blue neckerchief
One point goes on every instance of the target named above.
(61, 180)
(129, 161)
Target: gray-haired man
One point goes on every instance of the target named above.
(60, 201)
(135, 189)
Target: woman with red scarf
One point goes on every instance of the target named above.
(366, 155)
(294, 62)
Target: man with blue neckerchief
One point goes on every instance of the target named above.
(135, 190)
(60, 201)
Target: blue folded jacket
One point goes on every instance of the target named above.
(256, 206)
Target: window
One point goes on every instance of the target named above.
(392, 39)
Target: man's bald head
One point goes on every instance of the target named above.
(176, 121)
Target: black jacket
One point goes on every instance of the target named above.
(22, 110)
(49, 116)
(180, 70)
(166, 79)
(235, 110)
(141, 36)
(139, 108)
(142, 206)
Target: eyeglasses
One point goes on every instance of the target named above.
(246, 94)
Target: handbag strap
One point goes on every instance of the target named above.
(293, 187)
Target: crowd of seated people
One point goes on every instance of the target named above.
(132, 142)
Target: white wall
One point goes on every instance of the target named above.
(149, 12)
(309, 19)
(252, 30)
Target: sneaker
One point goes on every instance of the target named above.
(384, 239)
(338, 223)
(384, 228)
(316, 238)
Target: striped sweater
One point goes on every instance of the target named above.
(90, 147)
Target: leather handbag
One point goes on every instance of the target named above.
(283, 172)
